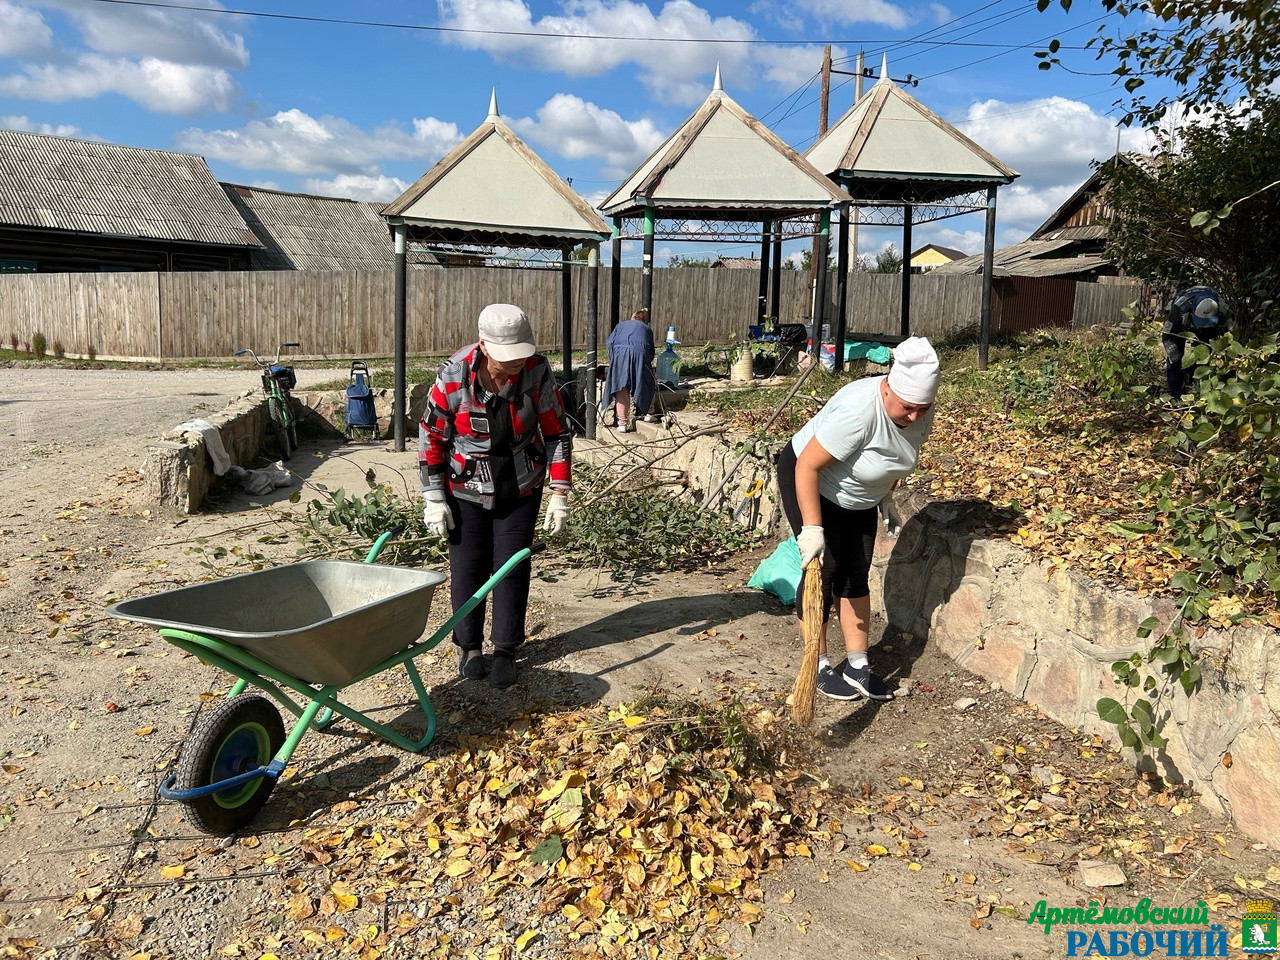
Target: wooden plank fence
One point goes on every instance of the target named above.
(350, 313)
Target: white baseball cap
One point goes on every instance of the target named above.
(506, 332)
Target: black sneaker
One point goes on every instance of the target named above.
(831, 683)
(471, 665)
(503, 673)
(866, 683)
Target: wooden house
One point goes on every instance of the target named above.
(71, 205)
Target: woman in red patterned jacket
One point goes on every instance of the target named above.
(493, 432)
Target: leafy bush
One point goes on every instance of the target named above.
(13, 342)
(39, 345)
(92, 353)
(644, 531)
(338, 524)
(59, 351)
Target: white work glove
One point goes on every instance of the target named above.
(892, 519)
(812, 542)
(437, 515)
(557, 514)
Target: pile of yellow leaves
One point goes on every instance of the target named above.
(582, 833)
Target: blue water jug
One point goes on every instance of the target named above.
(668, 368)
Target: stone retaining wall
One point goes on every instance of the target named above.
(1049, 636)
(178, 470)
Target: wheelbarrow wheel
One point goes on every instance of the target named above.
(236, 736)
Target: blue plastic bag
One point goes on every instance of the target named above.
(779, 573)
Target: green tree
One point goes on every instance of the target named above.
(888, 260)
(1209, 52)
(1153, 232)
(806, 263)
(680, 260)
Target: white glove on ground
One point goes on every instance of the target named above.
(557, 514)
(812, 542)
(892, 519)
(437, 515)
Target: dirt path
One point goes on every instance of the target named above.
(988, 806)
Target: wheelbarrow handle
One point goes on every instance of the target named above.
(382, 542)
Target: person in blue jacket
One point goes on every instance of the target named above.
(1194, 314)
(630, 381)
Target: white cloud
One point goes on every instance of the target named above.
(792, 67)
(855, 11)
(28, 125)
(574, 129)
(25, 33)
(296, 142)
(674, 72)
(1049, 141)
(159, 85)
(182, 36)
(374, 189)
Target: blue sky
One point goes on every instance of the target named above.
(295, 101)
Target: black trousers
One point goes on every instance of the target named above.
(850, 536)
(479, 544)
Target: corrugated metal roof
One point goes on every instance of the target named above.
(493, 183)
(305, 232)
(1031, 258)
(888, 134)
(723, 159)
(85, 186)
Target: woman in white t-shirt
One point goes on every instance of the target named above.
(835, 476)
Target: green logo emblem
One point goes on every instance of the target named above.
(1259, 928)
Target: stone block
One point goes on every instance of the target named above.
(957, 625)
(1006, 657)
(1061, 683)
(167, 472)
(1248, 786)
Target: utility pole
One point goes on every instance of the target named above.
(826, 89)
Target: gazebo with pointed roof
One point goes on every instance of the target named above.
(493, 191)
(896, 158)
(727, 171)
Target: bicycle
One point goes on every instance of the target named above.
(277, 380)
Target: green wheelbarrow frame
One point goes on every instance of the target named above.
(317, 704)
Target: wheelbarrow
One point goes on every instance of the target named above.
(313, 628)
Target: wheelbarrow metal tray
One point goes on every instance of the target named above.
(320, 621)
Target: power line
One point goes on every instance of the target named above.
(433, 28)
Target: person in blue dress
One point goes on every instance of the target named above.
(630, 383)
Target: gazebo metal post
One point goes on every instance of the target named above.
(842, 288)
(646, 274)
(775, 301)
(566, 309)
(907, 213)
(400, 281)
(823, 245)
(593, 324)
(764, 273)
(988, 253)
(615, 274)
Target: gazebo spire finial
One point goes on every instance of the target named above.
(717, 85)
(884, 68)
(493, 104)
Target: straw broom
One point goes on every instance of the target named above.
(806, 690)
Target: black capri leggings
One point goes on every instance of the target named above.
(850, 535)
